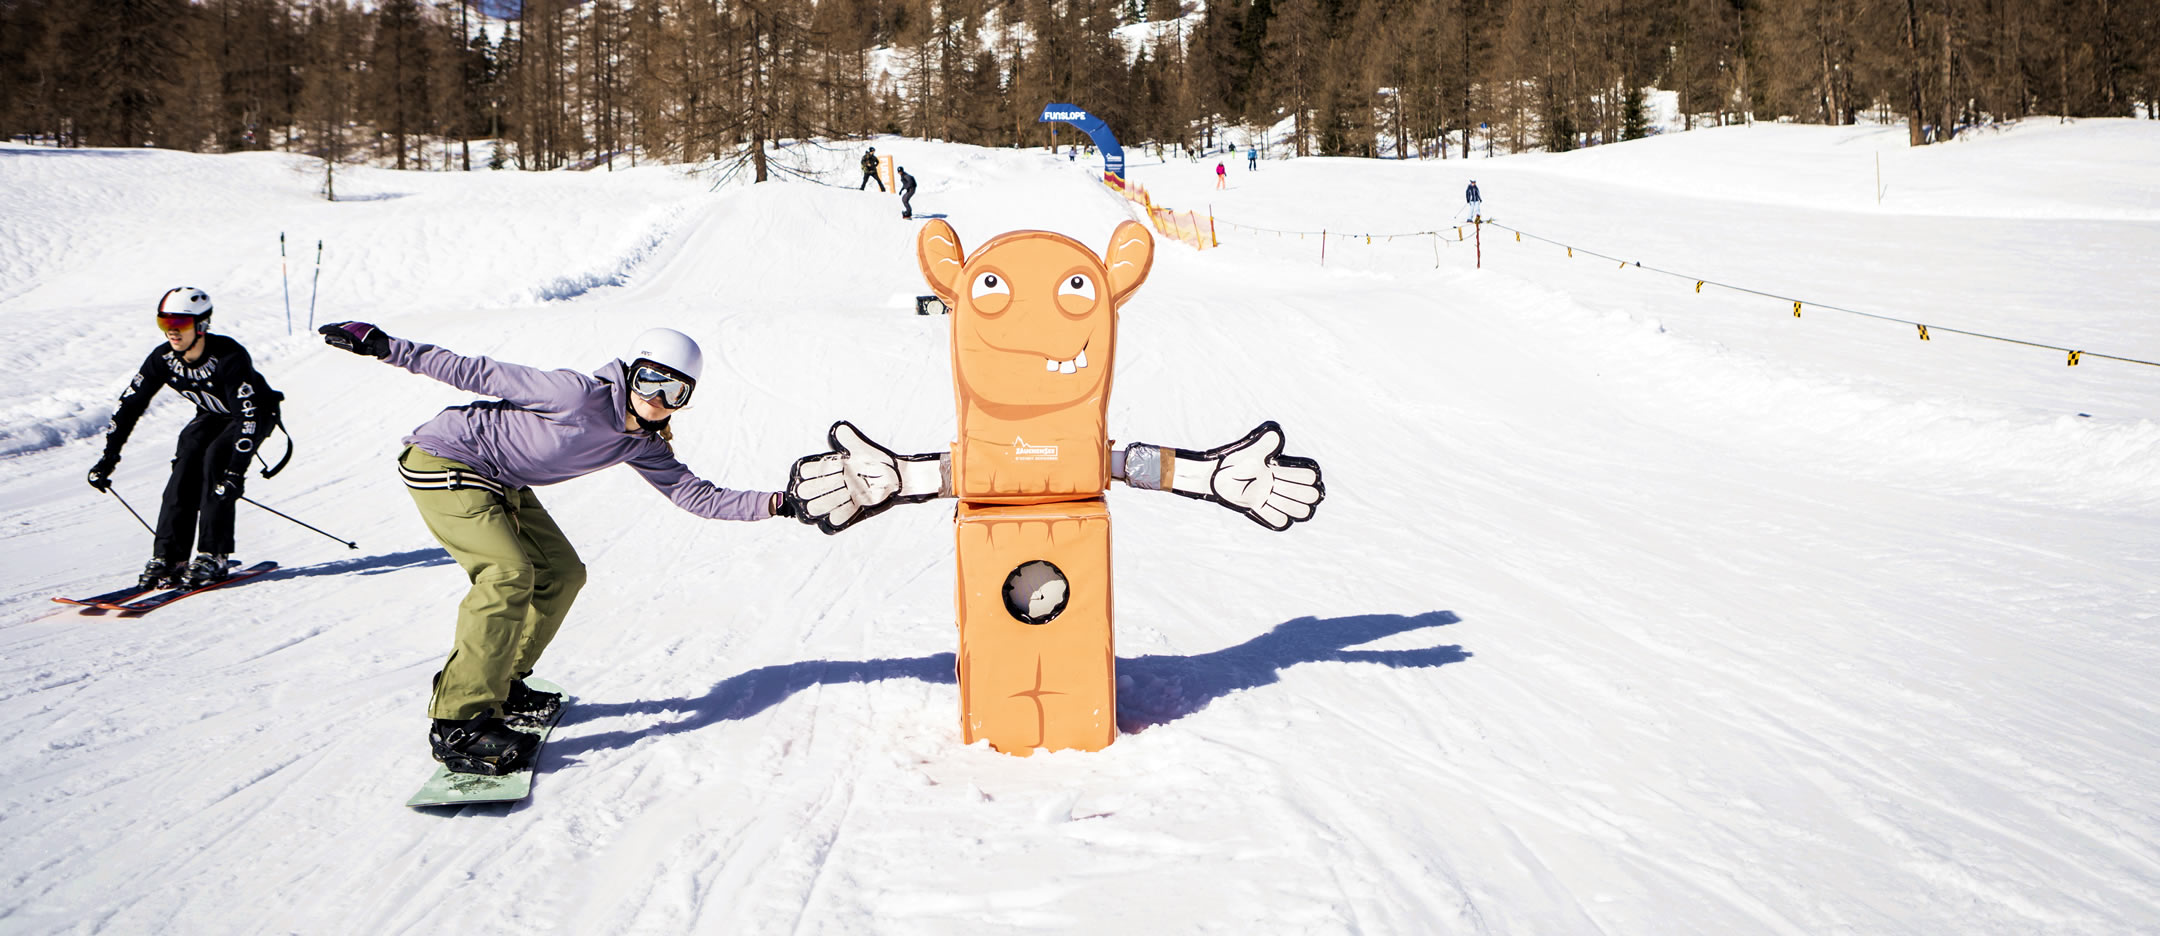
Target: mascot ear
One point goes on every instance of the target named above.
(1131, 255)
(938, 250)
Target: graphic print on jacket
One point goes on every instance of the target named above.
(223, 383)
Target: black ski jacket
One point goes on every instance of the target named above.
(869, 163)
(223, 384)
(907, 183)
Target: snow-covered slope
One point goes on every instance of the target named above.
(1630, 609)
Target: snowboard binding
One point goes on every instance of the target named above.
(480, 745)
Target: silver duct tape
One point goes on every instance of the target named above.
(1144, 466)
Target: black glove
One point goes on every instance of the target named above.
(783, 504)
(230, 485)
(101, 473)
(357, 337)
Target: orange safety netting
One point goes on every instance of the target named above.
(1187, 227)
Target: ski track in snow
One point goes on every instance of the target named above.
(1630, 610)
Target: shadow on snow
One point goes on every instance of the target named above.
(1152, 690)
(366, 565)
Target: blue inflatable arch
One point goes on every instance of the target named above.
(1113, 154)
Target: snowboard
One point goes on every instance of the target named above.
(447, 788)
(156, 600)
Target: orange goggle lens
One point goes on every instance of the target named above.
(175, 322)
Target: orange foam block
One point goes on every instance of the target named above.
(1037, 667)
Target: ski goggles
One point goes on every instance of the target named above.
(174, 322)
(656, 382)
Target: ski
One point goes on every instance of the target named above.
(95, 604)
(158, 600)
(449, 788)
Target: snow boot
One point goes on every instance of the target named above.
(529, 708)
(207, 569)
(158, 574)
(480, 745)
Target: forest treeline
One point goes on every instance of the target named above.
(564, 82)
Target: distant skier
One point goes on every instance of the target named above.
(471, 471)
(1072, 153)
(235, 409)
(1477, 204)
(907, 191)
(1222, 176)
(1252, 158)
(869, 171)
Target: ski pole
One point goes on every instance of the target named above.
(285, 274)
(348, 543)
(131, 509)
(316, 287)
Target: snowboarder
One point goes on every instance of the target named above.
(235, 409)
(471, 471)
(1072, 154)
(1477, 204)
(869, 171)
(1252, 158)
(1222, 176)
(907, 191)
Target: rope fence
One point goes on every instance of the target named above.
(2072, 356)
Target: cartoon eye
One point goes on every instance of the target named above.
(990, 284)
(1077, 285)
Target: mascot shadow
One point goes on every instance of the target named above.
(1152, 690)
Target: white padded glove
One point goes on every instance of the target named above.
(1251, 476)
(859, 478)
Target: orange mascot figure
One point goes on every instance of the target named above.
(1034, 336)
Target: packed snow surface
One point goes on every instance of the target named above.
(1632, 608)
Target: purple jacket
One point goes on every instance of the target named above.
(553, 425)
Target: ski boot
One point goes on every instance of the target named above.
(207, 569)
(528, 708)
(158, 575)
(480, 745)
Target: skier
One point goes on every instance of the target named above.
(1252, 157)
(1477, 204)
(1222, 176)
(869, 171)
(471, 471)
(907, 191)
(1072, 153)
(235, 409)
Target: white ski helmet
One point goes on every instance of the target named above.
(670, 349)
(185, 300)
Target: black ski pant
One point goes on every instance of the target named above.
(906, 196)
(869, 176)
(204, 453)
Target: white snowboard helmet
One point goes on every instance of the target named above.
(671, 352)
(185, 300)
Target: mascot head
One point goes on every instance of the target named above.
(1034, 324)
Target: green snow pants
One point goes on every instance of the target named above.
(524, 574)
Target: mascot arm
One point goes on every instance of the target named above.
(1251, 476)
